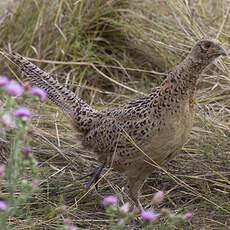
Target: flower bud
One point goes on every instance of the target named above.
(2, 170)
(37, 92)
(3, 206)
(4, 81)
(188, 216)
(110, 201)
(158, 197)
(124, 208)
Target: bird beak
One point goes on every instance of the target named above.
(222, 51)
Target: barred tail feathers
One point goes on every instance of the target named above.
(71, 104)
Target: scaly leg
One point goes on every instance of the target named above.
(134, 186)
(95, 176)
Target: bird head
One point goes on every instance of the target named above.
(206, 51)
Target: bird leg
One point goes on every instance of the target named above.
(94, 176)
(134, 186)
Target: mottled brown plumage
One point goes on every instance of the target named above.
(153, 128)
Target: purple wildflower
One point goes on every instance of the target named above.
(188, 216)
(2, 170)
(38, 92)
(35, 183)
(23, 113)
(4, 81)
(67, 221)
(72, 227)
(27, 151)
(148, 215)
(110, 201)
(3, 206)
(14, 89)
(121, 222)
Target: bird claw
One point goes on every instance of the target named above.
(94, 177)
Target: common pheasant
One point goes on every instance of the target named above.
(130, 137)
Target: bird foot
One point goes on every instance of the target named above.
(94, 177)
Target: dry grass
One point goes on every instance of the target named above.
(109, 52)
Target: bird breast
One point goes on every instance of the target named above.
(171, 137)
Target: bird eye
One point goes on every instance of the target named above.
(206, 45)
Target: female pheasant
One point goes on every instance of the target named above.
(131, 137)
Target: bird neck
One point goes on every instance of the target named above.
(187, 72)
(183, 78)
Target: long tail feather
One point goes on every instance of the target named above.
(71, 104)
